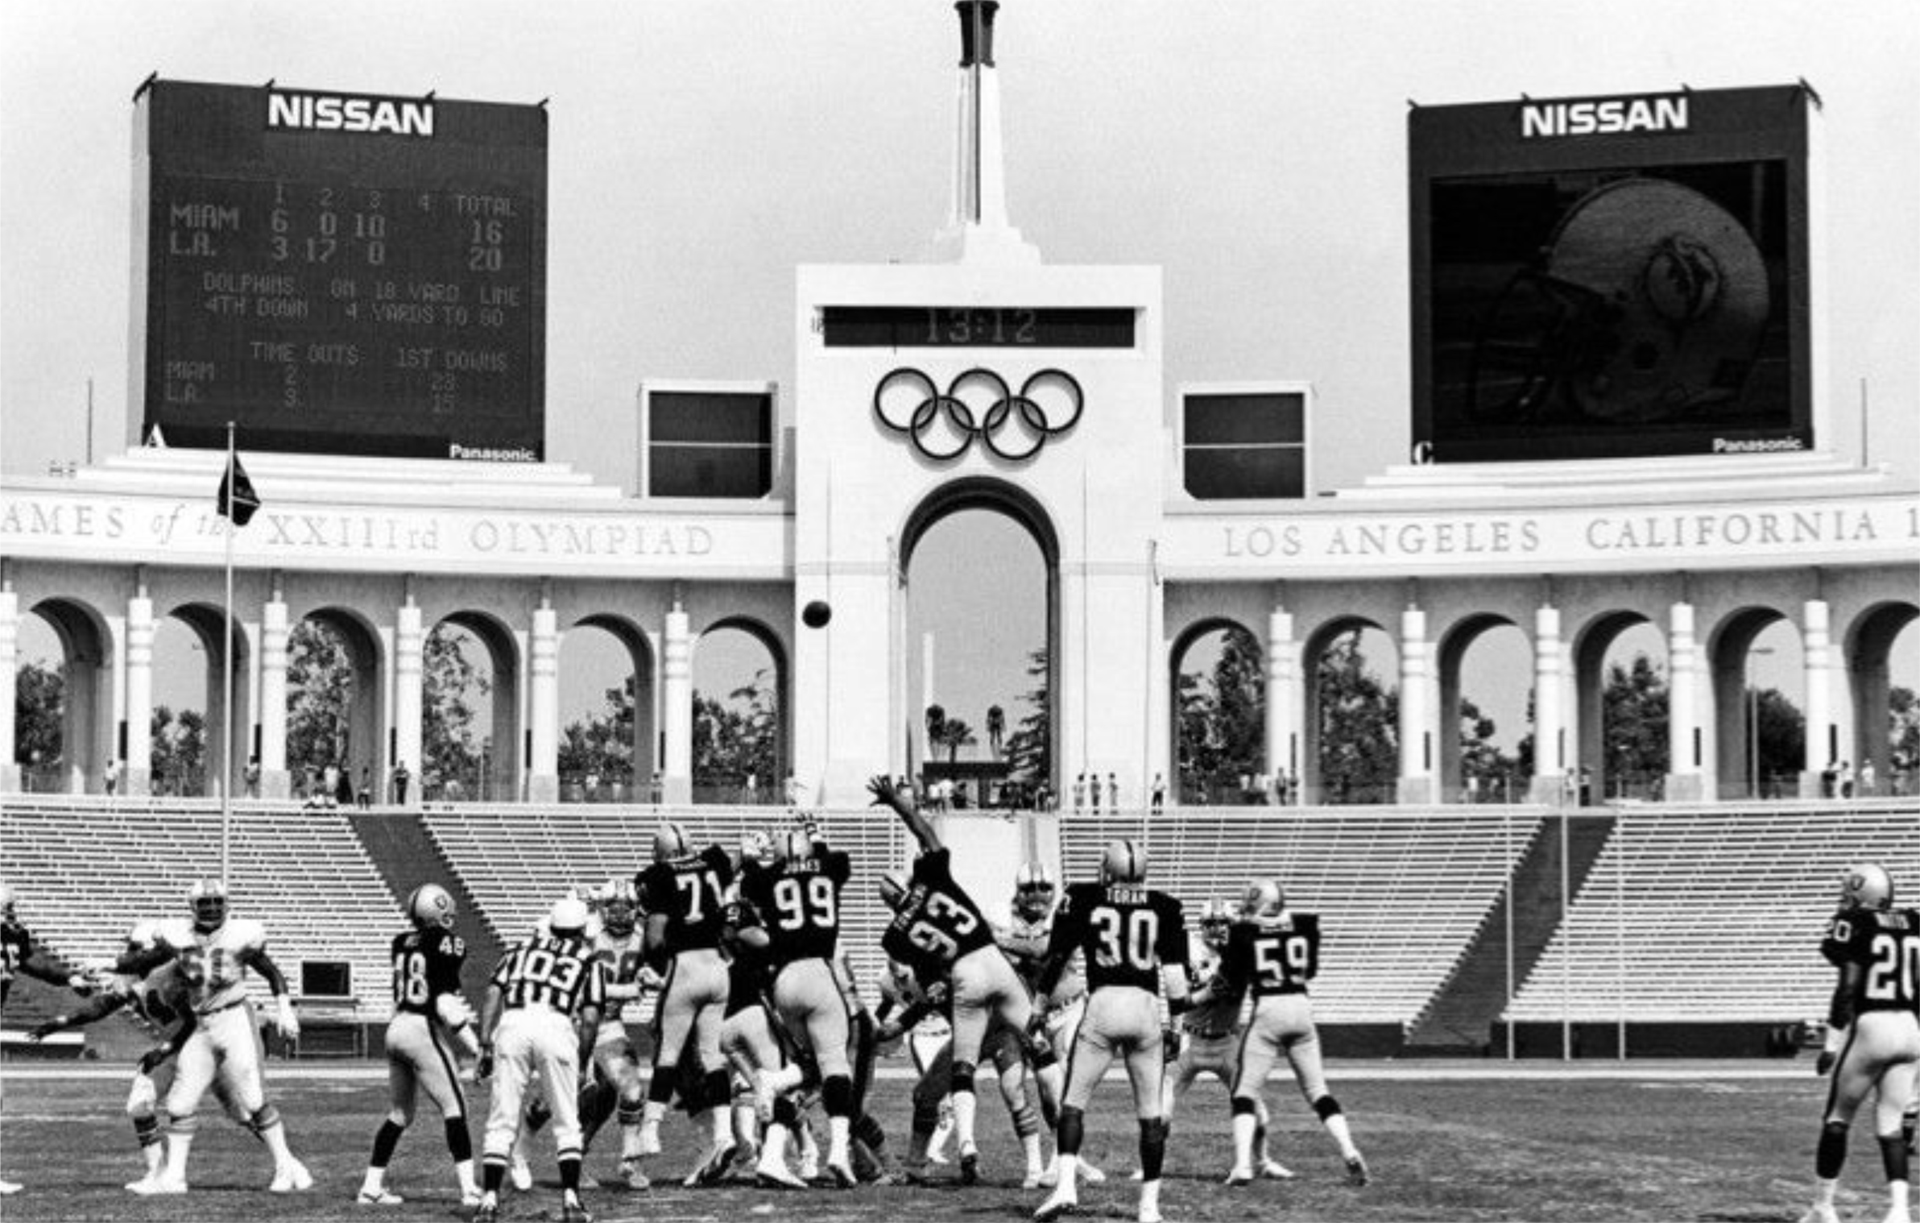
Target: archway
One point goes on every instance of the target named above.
(1483, 711)
(740, 680)
(977, 684)
(1351, 749)
(1883, 658)
(1219, 723)
(1759, 729)
(58, 683)
(607, 712)
(471, 710)
(191, 754)
(334, 713)
(1620, 708)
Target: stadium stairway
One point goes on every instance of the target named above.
(406, 857)
(1460, 1019)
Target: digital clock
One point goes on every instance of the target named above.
(977, 326)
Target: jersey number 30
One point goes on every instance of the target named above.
(1128, 939)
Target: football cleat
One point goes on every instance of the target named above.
(772, 1173)
(469, 1198)
(488, 1211)
(293, 1178)
(519, 1174)
(575, 1212)
(631, 1177)
(1150, 1214)
(382, 1198)
(1356, 1171)
(714, 1170)
(969, 1164)
(1866, 886)
(1898, 1214)
(1035, 1179)
(1821, 1214)
(1125, 861)
(842, 1175)
(1090, 1172)
(140, 1186)
(431, 905)
(1062, 1201)
(1240, 1177)
(1274, 1170)
(160, 1186)
(671, 842)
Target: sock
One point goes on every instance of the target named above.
(1337, 1126)
(384, 1143)
(494, 1172)
(1823, 1190)
(1035, 1163)
(178, 1142)
(1896, 1197)
(963, 1115)
(1244, 1125)
(774, 1149)
(570, 1176)
(1149, 1195)
(1069, 1166)
(839, 1133)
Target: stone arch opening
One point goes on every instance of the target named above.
(471, 733)
(335, 708)
(740, 725)
(609, 748)
(1759, 727)
(1351, 740)
(68, 747)
(190, 760)
(1886, 751)
(1476, 762)
(1218, 699)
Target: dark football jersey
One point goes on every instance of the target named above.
(426, 964)
(748, 968)
(1272, 957)
(16, 946)
(1126, 933)
(799, 905)
(692, 893)
(1886, 944)
(561, 973)
(937, 921)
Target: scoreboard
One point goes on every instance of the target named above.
(340, 273)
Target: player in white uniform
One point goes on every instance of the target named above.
(156, 1001)
(214, 952)
(620, 944)
(430, 1017)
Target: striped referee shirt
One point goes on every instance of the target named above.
(560, 974)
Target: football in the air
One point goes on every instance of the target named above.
(816, 614)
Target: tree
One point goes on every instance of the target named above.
(936, 725)
(320, 687)
(1634, 740)
(1782, 736)
(179, 750)
(996, 729)
(601, 745)
(954, 735)
(452, 684)
(737, 737)
(1030, 747)
(1359, 725)
(1903, 730)
(1222, 715)
(1480, 757)
(39, 713)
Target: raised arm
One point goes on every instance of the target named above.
(884, 791)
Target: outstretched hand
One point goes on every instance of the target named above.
(882, 788)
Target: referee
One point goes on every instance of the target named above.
(538, 991)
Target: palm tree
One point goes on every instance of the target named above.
(996, 728)
(954, 735)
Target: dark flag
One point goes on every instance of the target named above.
(237, 500)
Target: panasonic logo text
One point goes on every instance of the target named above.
(326, 112)
(1613, 116)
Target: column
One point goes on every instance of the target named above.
(137, 775)
(274, 782)
(409, 687)
(1816, 632)
(1684, 781)
(543, 701)
(1284, 699)
(1416, 727)
(9, 675)
(676, 771)
(1549, 782)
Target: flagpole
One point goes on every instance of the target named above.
(226, 677)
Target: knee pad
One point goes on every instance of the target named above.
(1244, 1105)
(147, 1129)
(963, 1073)
(264, 1119)
(1326, 1107)
(631, 1111)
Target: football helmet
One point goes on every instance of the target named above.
(1033, 891)
(6, 902)
(671, 842)
(619, 907)
(893, 888)
(1264, 900)
(431, 905)
(1866, 886)
(756, 846)
(1125, 861)
(1216, 919)
(208, 900)
(568, 918)
(796, 846)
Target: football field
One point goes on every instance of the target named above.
(1731, 1142)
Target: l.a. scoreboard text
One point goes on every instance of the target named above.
(340, 273)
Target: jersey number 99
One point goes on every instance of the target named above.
(817, 905)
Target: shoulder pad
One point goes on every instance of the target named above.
(174, 933)
(1891, 920)
(247, 932)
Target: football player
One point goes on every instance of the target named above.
(19, 955)
(1210, 1034)
(1275, 952)
(214, 952)
(431, 1019)
(621, 947)
(156, 1001)
(1873, 1034)
(684, 894)
(1134, 941)
(797, 906)
(754, 1043)
(937, 920)
(537, 992)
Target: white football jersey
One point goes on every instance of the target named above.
(210, 962)
(624, 958)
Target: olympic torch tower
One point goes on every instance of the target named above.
(978, 378)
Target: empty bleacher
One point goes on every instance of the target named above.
(516, 860)
(86, 869)
(1714, 914)
(1400, 891)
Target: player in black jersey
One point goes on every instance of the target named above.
(939, 930)
(1873, 1032)
(1274, 952)
(797, 905)
(430, 1015)
(683, 894)
(1134, 941)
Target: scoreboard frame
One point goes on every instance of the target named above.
(338, 273)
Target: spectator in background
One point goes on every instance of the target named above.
(1080, 794)
(250, 776)
(364, 797)
(1829, 779)
(1113, 793)
(112, 776)
(400, 779)
(343, 788)
(656, 792)
(1866, 778)
(330, 780)
(1844, 776)
(593, 786)
(1158, 799)
(1093, 792)
(753, 788)
(1586, 786)
(794, 793)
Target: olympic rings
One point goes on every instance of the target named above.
(936, 414)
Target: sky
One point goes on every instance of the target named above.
(1254, 149)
